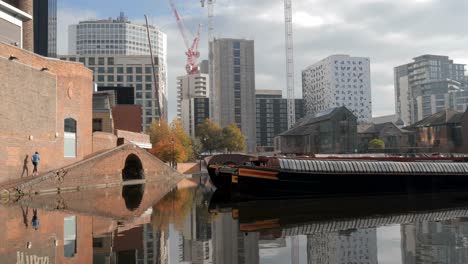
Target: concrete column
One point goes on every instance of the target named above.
(28, 26)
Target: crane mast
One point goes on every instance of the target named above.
(210, 16)
(192, 50)
(289, 62)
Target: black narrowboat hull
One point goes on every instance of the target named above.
(273, 183)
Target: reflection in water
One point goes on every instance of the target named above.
(350, 246)
(143, 224)
(133, 194)
(435, 242)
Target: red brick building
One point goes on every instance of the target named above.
(46, 107)
(445, 131)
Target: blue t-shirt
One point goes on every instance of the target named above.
(35, 222)
(35, 158)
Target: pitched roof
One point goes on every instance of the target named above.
(320, 116)
(439, 118)
(303, 126)
(376, 128)
(299, 130)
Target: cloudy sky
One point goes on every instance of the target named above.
(389, 32)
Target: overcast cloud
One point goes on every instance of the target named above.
(389, 32)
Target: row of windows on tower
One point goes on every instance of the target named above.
(111, 61)
(120, 78)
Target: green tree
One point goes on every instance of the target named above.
(233, 139)
(197, 146)
(210, 135)
(377, 144)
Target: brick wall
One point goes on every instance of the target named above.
(103, 141)
(29, 91)
(127, 117)
(133, 137)
(106, 119)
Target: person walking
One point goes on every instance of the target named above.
(35, 220)
(35, 161)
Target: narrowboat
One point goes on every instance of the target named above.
(276, 177)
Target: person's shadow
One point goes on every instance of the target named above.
(25, 166)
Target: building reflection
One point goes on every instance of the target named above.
(441, 242)
(350, 246)
(186, 226)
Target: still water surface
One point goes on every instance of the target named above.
(195, 224)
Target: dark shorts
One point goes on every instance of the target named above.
(35, 164)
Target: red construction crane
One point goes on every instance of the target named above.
(192, 50)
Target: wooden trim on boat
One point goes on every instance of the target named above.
(270, 175)
(235, 213)
(265, 224)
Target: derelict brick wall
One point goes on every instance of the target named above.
(73, 100)
(103, 141)
(464, 123)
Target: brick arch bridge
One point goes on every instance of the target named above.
(126, 164)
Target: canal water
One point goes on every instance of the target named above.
(195, 224)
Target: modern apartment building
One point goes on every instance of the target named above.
(117, 50)
(338, 80)
(130, 71)
(272, 116)
(428, 85)
(45, 28)
(192, 90)
(232, 89)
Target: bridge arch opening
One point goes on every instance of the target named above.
(133, 169)
(133, 195)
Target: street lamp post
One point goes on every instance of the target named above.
(173, 155)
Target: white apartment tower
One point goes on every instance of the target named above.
(232, 89)
(192, 93)
(338, 80)
(115, 37)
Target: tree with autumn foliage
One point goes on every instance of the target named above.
(233, 139)
(184, 139)
(170, 143)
